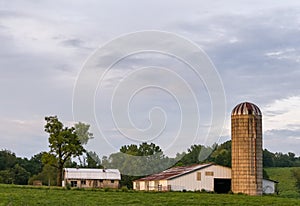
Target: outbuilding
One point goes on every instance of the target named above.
(91, 178)
(208, 177)
(269, 186)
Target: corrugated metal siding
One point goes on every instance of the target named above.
(190, 182)
(95, 174)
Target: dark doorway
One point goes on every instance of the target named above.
(222, 185)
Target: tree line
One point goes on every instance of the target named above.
(67, 144)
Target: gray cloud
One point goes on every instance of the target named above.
(282, 140)
(254, 46)
(283, 133)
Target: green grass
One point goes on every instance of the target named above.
(287, 183)
(29, 195)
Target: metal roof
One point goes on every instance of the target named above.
(246, 108)
(174, 172)
(270, 180)
(87, 173)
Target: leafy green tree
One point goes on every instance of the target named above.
(222, 154)
(6, 176)
(93, 160)
(64, 144)
(15, 175)
(194, 155)
(33, 165)
(282, 160)
(135, 161)
(20, 175)
(36, 164)
(82, 131)
(268, 158)
(48, 176)
(7, 159)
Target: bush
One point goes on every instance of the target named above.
(124, 189)
(107, 189)
(296, 174)
(68, 186)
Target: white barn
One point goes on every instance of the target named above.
(86, 177)
(209, 177)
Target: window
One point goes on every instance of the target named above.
(112, 181)
(209, 173)
(83, 182)
(101, 180)
(199, 176)
(73, 183)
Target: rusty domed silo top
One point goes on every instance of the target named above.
(246, 108)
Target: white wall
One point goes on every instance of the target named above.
(268, 187)
(190, 182)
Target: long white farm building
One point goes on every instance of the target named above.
(98, 178)
(208, 177)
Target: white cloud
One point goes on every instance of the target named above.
(282, 125)
(282, 114)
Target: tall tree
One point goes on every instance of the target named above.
(268, 158)
(82, 131)
(7, 159)
(93, 160)
(64, 144)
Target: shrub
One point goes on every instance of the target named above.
(296, 174)
(124, 189)
(68, 186)
(106, 189)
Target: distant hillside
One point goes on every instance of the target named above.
(287, 182)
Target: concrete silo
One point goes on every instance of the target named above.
(246, 134)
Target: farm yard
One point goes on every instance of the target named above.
(29, 195)
(33, 195)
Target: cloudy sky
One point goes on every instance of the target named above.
(254, 45)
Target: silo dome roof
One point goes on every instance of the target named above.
(246, 108)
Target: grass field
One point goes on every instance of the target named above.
(287, 183)
(29, 195)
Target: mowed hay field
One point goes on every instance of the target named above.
(29, 195)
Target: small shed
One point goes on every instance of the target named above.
(91, 178)
(209, 177)
(269, 186)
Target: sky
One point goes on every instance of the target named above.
(45, 45)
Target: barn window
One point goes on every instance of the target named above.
(101, 180)
(209, 173)
(199, 176)
(112, 181)
(73, 183)
(83, 182)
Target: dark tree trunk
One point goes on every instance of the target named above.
(59, 175)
